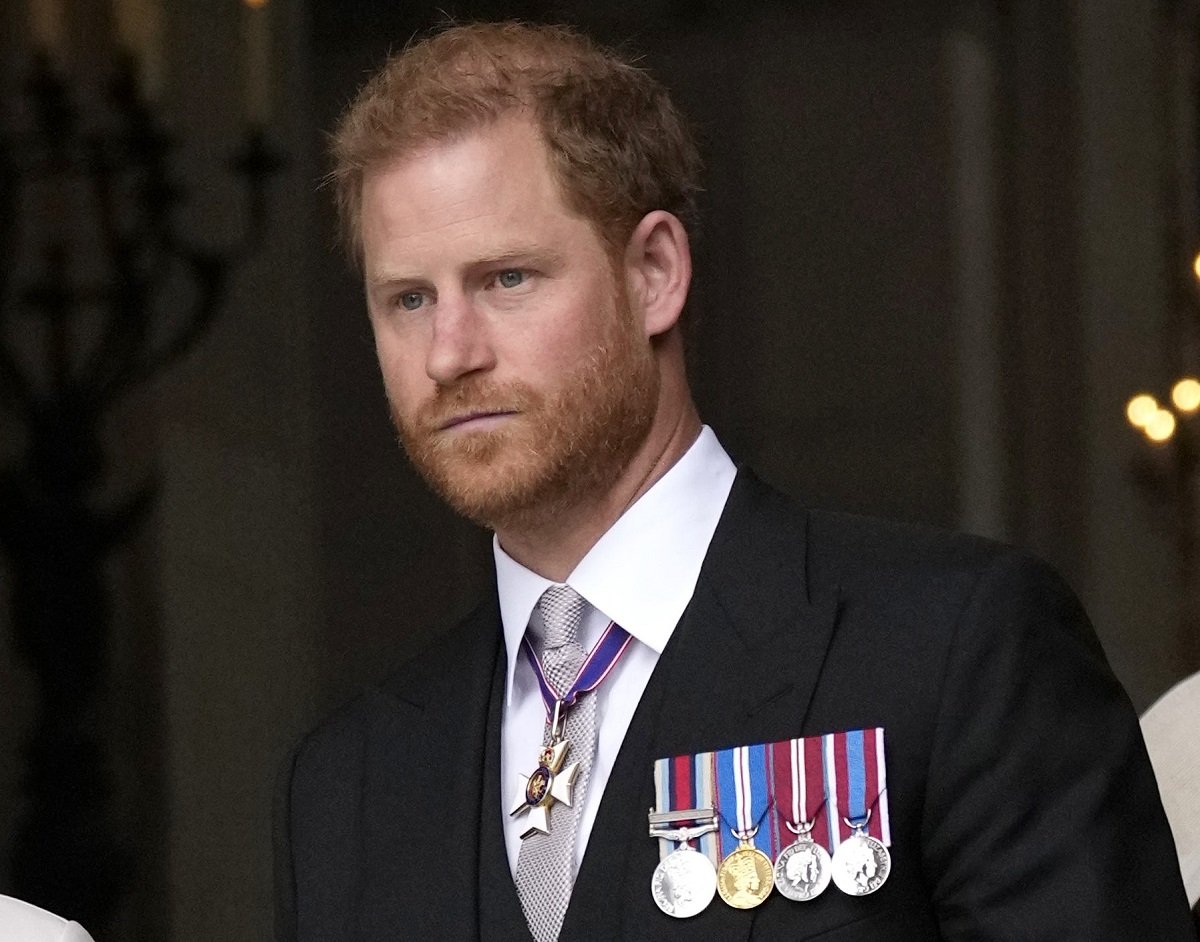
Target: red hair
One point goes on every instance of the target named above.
(617, 145)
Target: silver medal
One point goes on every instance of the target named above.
(803, 869)
(861, 864)
(684, 883)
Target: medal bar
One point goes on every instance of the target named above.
(666, 818)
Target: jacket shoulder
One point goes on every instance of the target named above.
(871, 557)
(336, 739)
(850, 545)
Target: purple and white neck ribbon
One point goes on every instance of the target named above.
(596, 666)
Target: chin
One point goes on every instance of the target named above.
(484, 476)
(496, 496)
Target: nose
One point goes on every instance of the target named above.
(460, 344)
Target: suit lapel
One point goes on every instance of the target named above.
(741, 667)
(423, 788)
(750, 648)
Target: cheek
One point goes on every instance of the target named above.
(402, 368)
(595, 321)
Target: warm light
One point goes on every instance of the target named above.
(1141, 409)
(1161, 427)
(1186, 394)
(1196, 266)
(255, 4)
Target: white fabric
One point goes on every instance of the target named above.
(1170, 728)
(21, 922)
(640, 574)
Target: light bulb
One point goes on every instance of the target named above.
(1161, 427)
(1186, 394)
(1141, 410)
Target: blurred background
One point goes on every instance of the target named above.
(944, 246)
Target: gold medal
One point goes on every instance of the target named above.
(745, 877)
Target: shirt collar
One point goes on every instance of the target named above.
(641, 573)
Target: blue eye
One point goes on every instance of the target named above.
(510, 278)
(411, 300)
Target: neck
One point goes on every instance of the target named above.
(553, 543)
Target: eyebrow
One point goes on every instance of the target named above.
(385, 281)
(518, 254)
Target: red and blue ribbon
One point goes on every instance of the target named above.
(856, 784)
(819, 779)
(684, 782)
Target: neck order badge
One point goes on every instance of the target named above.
(816, 805)
(551, 781)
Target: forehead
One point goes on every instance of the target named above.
(492, 180)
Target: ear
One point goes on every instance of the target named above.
(658, 271)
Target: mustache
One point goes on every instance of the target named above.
(454, 403)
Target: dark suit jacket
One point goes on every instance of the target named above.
(1022, 803)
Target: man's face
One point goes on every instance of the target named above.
(518, 378)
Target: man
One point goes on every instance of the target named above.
(519, 202)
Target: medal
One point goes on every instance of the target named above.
(551, 781)
(861, 863)
(548, 783)
(811, 782)
(745, 877)
(684, 882)
(802, 869)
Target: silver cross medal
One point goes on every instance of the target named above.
(548, 783)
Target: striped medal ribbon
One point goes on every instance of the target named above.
(830, 820)
(745, 875)
(803, 868)
(685, 880)
(856, 781)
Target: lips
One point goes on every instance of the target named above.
(466, 417)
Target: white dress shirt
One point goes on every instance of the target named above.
(640, 574)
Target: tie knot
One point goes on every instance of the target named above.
(562, 609)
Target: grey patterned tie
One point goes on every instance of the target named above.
(546, 864)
